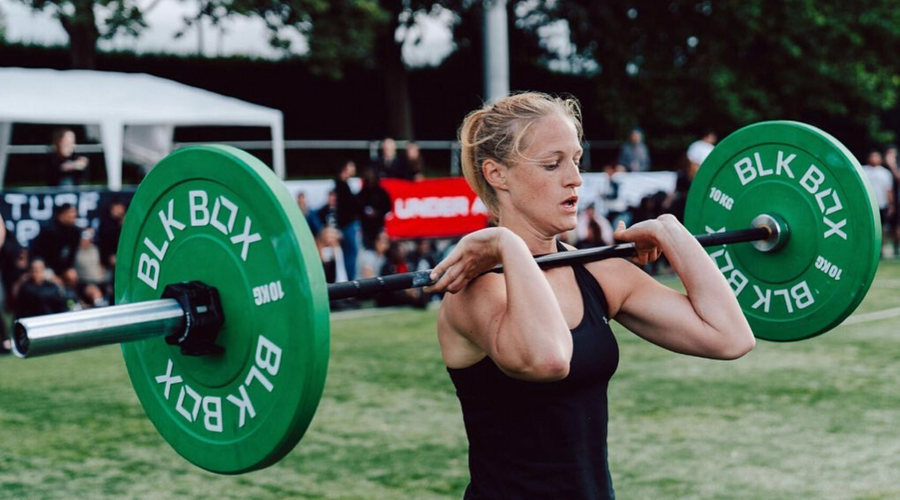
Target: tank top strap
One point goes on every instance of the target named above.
(588, 284)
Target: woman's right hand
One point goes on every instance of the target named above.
(475, 254)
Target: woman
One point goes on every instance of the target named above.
(530, 351)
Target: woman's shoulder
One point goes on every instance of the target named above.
(485, 292)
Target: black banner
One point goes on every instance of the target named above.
(26, 211)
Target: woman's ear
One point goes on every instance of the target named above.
(494, 173)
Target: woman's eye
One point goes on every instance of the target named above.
(550, 166)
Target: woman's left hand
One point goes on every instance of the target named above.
(645, 236)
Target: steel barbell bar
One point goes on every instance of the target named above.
(179, 316)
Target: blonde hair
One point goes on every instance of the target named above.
(498, 132)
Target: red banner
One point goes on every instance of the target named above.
(433, 208)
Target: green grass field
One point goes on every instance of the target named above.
(812, 420)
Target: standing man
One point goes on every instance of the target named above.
(347, 217)
(882, 182)
(890, 161)
(388, 164)
(66, 169)
(700, 149)
(374, 203)
(634, 155)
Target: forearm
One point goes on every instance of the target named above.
(707, 290)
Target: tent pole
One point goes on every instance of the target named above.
(5, 136)
(111, 135)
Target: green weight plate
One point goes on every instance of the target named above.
(806, 178)
(220, 216)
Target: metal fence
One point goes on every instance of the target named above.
(373, 147)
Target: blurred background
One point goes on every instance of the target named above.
(367, 69)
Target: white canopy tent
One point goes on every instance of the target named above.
(113, 101)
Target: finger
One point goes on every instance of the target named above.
(459, 283)
(442, 267)
(443, 281)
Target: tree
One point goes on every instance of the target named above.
(79, 20)
(2, 28)
(679, 65)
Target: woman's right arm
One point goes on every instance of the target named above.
(514, 317)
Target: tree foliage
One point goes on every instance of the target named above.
(79, 20)
(680, 65)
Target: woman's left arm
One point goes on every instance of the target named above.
(705, 321)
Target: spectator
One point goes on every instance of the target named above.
(424, 257)
(110, 230)
(634, 155)
(311, 220)
(700, 149)
(882, 182)
(87, 260)
(387, 165)
(329, 244)
(65, 169)
(347, 215)
(396, 263)
(610, 193)
(890, 161)
(371, 261)
(593, 230)
(15, 265)
(58, 242)
(374, 204)
(413, 168)
(71, 292)
(327, 215)
(677, 200)
(93, 296)
(35, 295)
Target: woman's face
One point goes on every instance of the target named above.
(541, 187)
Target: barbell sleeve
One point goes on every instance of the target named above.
(70, 331)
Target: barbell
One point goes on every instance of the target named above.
(223, 311)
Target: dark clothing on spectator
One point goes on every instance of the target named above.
(374, 203)
(9, 265)
(347, 204)
(36, 300)
(679, 200)
(56, 176)
(407, 169)
(56, 245)
(389, 169)
(327, 216)
(108, 240)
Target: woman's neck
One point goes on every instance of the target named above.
(538, 242)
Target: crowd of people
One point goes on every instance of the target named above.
(882, 170)
(65, 268)
(349, 227)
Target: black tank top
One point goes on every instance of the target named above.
(530, 440)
